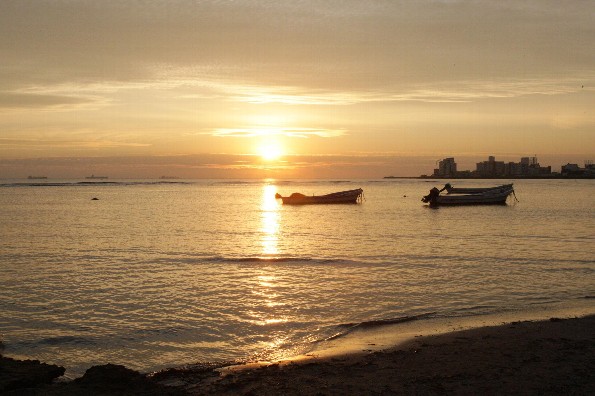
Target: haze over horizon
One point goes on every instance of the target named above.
(294, 89)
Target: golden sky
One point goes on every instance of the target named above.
(298, 88)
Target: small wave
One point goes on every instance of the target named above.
(308, 182)
(544, 302)
(235, 182)
(575, 270)
(350, 327)
(476, 308)
(198, 260)
(276, 260)
(66, 340)
(383, 322)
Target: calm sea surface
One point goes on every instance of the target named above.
(160, 274)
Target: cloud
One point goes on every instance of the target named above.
(257, 131)
(22, 100)
(291, 53)
(39, 144)
(338, 45)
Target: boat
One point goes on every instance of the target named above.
(341, 197)
(473, 190)
(487, 196)
(96, 177)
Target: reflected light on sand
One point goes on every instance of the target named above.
(269, 221)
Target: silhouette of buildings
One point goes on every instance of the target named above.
(490, 168)
(575, 170)
(528, 167)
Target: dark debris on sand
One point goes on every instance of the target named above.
(26, 374)
(32, 378)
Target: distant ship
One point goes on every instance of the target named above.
(37, 177)
(96, 177)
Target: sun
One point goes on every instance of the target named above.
(270, 151)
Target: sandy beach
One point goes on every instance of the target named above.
(546, 357)
(555, 356)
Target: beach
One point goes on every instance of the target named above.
(554, 356)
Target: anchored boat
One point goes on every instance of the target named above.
(341, 197)
(473, 190)
(469, 196)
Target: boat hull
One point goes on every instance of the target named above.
(493, 196)
(496, 199)
(343, 197)
(471, 190)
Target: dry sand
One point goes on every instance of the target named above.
(555, 357)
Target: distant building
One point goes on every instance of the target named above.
(575, 170)
(490, 168)
(446, 168)
(570, 169)
(528, 167)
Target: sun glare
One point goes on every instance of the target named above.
(270, 151)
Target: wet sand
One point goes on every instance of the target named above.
(556, 356)
(551, 357)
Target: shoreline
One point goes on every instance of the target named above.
(552, 356)
(531, 352)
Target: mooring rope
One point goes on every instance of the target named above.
(515, 198)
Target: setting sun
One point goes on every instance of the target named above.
(270, 151)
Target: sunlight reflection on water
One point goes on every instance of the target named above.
(269, 221)
(158, 275)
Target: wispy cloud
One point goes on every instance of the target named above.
(189, 88)
(38, 144)
(266, 130)
(27, 100)
(452, 91)
(436, 92)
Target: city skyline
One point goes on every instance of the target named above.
(257, 89)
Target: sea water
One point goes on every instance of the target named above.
(155, 274)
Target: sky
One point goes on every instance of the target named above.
(292, 89)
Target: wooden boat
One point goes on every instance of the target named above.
(489, 196)
(472, 190)
(341, 197)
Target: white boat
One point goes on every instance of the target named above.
(488, 196)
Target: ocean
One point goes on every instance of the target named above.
(157, 273)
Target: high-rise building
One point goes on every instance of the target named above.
(490, 168)
(446, 168)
